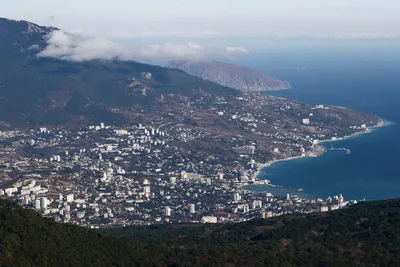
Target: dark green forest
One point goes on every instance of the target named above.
(367, 234)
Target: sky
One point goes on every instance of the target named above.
(186, 25)
(214, 18)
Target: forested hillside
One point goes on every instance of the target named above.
(367, 234)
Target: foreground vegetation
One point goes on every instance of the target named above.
(367, 234)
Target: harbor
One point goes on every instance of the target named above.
(332, 148)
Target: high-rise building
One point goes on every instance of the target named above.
(37, 204)
(70, 198)
(266, 214)
(26, 200)
(257, 204)
(192, 209)
(147, 191)
(44, 202)
(167, 211)
(246, 208)
(236, 197)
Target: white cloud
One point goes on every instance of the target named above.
(169, 50)
(368, 36)
(129, 34)
(34, 47)
(78, 48)
(74, 47)
(210, 32)
(241, 50)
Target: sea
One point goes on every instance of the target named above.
(362, 76)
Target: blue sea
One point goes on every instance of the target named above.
(365, 77)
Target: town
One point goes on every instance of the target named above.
(108, 176)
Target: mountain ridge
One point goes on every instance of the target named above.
(56, 91)
(230, 75)
(50, 91)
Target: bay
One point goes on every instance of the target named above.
(366, 80)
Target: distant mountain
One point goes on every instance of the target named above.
(366, 234)
(36, 90)
(229, 75)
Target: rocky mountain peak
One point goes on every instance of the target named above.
(230, 75)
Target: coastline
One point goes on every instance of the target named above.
(381, 123)
(261, 166)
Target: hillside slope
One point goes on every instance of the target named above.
(36, 90)
(230, 75)
(366, 234)
(26, 239)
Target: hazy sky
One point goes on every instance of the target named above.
(161, 30)
(364, 19)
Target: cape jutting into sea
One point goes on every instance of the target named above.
(372, 170)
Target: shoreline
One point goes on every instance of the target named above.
(261, 166)
(382, 123)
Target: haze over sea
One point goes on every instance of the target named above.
(365, 77)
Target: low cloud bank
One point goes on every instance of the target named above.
(74, 47)
(368, 36)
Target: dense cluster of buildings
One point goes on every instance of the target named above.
(191, 166)
(103, 176)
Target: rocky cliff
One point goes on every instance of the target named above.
(229, 75)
